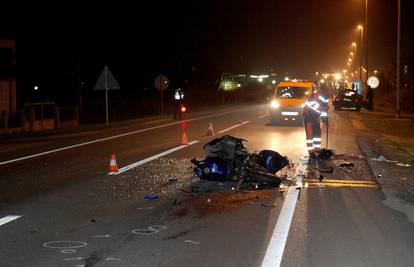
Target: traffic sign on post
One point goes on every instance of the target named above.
(106, 81)
(373, 82)
(161, 83)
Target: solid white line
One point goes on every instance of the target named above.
(115, 136)
(274, 252)
(232, 127)
(9, 218)
(261, 117)
(141, 162)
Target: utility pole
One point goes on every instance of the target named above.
(397, 115)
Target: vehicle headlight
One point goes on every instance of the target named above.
(274, 104)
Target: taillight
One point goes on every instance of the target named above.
(183, 109)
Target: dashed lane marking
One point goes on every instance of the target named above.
(141, 162)
(262, 116)
(234, 126)
(116, 136)
(8, 219)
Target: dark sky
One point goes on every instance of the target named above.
(195, 39)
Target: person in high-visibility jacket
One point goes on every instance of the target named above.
(178, 99)
(315, 109)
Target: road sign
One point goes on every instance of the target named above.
(373, 82)
(161, 82)
(106, 81)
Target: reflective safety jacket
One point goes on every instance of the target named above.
(178, 95)
(316, 104)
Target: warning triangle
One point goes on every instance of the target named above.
(106, 81)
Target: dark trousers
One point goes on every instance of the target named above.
(312, 126)
(177, 110)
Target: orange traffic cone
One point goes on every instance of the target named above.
(210, 131)
(184, 139)
(113, 167)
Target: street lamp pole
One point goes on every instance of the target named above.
(355, 54)
(397, 115)
(360, 51)
(366, 37)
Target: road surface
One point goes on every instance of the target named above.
(59, 206)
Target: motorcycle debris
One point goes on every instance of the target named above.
(346, 164)
(151, 196)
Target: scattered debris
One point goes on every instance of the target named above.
(268, 205)
(346, 164)
(101, 236)
(157, 227)
(151, 196)
(175, 235)
(73, 259)
(192, 242)
(380, 159)
(93, 220)
(403, 164)
(68, 251)
(113, 259)
(145, 208)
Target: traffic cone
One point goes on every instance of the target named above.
(113, 167)
(210, 131)
(184, 139)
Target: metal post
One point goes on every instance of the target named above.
(162, 102)
(397, 115)
(366, 40)
(360, 51)
(106, 94)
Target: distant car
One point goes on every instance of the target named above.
(347, 98)
(287, 101)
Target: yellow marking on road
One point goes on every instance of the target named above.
(340, 181)
(325, 184)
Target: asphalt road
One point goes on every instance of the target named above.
(64, 218)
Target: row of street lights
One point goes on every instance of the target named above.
(352, 64)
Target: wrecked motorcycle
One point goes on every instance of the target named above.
(227, 159)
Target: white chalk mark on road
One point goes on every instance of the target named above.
(141, 162)
(234, 126)
(9, 218)
(116, 136)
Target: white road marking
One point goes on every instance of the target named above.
(274, 252)
(141, 162)
(234, 126)
(264, 115)
(115, 136)
(9, 218)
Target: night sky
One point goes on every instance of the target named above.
(196, 40)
